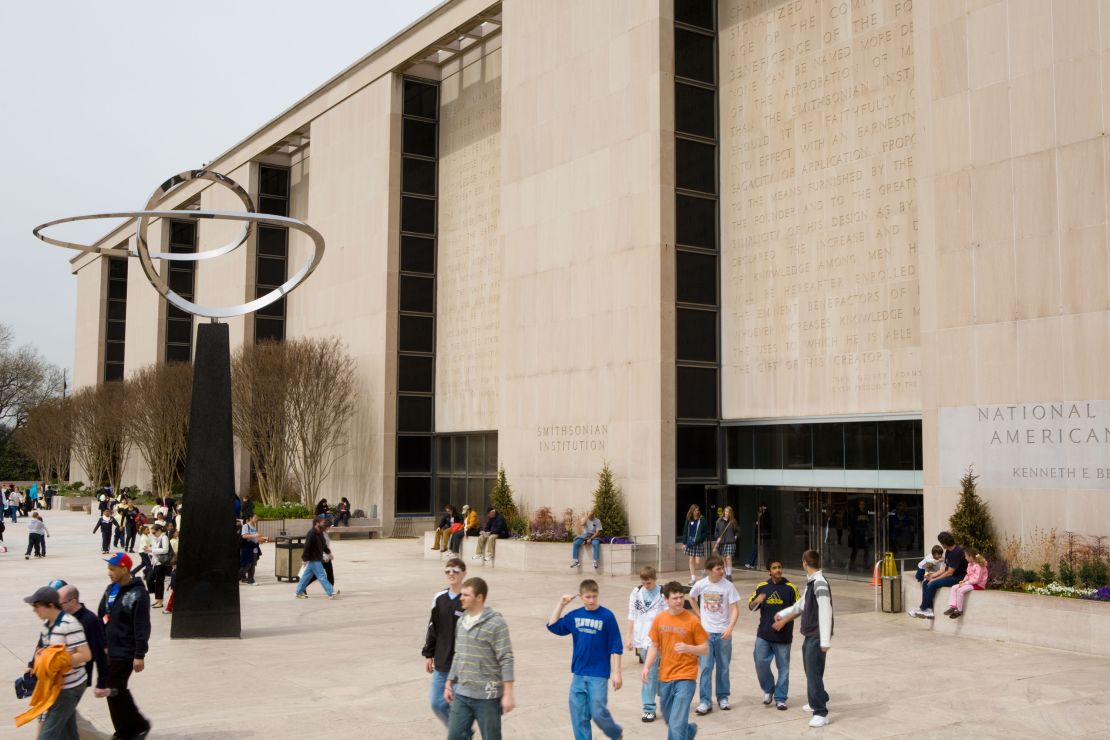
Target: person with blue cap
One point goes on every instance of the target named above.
(125, 610)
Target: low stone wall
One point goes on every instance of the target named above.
(553, 557)
(1044, 621)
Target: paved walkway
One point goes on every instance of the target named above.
(351, 668)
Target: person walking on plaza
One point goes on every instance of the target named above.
(771, 597)
(328, 561)
(439, 640)
(695, 534)
(495, 527)
(677, 640)
(761, 526)
(597, 649)
(975, 580)
(58, 629)
(952, 572)
(716, 602)
(725, 539)
(644, 604)
(94, 634)
(479, 686)
(125, 610)
(816, 610)
(249, 552)
(590, 534)
(105, 524)
(162, 556)
(315, 548)
(120, 535)
(14, 500)
(36, 536)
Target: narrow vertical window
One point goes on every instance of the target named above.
(115, 318)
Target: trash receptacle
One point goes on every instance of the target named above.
(287, 556)
(892, 594)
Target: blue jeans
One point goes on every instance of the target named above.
(674, 699)
(719, 657)
(435, 695)
(929, 590)
(814, 662)
(763, 653)
(314, 568)
(651, 688)
(578, 544)
(13, 511)
(465, 711)
(919, 575)
(588, 698)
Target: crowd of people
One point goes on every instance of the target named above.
(682, 636)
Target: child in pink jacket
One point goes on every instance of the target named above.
(975, 580)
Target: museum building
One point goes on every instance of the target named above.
(813, 258)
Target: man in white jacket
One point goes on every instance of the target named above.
(816, 610)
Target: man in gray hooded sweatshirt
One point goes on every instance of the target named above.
(479, 685)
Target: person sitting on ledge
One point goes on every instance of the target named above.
(495, 527)
(443, 529)
(930, 563)
(975, 580)
(322, 509)
(468, 529)
(591, 532)
(343, 513)
(954, 570)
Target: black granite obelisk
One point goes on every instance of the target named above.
(206, 600)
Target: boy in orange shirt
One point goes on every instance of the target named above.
(678, 639)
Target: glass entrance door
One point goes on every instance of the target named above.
(849, 537)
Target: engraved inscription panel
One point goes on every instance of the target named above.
(468, 268)
(819, 266)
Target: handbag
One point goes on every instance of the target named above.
(25, 685)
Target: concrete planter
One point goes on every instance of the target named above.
(1030, 619)
(553, 557)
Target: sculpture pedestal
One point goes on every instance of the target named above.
(206, 600)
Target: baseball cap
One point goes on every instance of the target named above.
(44, 595)
(56, 583)
(121, 559)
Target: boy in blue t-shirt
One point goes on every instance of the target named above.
(596, 657)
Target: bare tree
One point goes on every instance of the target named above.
(158, 420)
(100, 441)
(260, 376)
(46, 435)
(321, 401)
(26, 379)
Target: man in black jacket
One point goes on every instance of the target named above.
(495, 527)
(439, 643)
(94, 634)
(315, 547)
(125, 610)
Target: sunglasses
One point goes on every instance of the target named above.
(452, 571)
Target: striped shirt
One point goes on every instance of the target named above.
(69, 632)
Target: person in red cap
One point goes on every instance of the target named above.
(125, 611)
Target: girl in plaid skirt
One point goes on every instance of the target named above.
(726, 539)
(695, 540)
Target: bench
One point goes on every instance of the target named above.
(362, 527)
(71, 506)
(550, 557)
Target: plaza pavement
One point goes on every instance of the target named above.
(351, 668)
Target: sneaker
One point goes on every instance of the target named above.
(807, 709)
(781, 706)
(728, 577)
(949, 610)
(693, 580)
(916, 613)
(766, 698)
(926, 613)
(302, 596)
(595, 565)
(818, 721)
(648, 717)
(574, 563)
(723, 704)
(749, 566)
(703, 708)
(334, 594)
(476, 557)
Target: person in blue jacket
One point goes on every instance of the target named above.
(695, 534)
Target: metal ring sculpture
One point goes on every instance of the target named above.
(146, 258)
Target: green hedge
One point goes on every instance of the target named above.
(285, 510)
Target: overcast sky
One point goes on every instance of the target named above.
(102, 101)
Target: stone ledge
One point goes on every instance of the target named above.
(1029, 619)
(552, 557)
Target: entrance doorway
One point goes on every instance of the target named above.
(850, 528)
